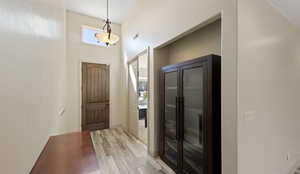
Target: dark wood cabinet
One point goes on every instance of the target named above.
(190, 131)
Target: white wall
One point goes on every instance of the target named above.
(77, 52)
(269, 83)
(160, 21)
(32, 72)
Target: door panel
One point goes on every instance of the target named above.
(95, 96)
(171, 117)
(193, 111)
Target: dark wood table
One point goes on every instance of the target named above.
(67, 154)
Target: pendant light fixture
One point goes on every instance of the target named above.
(107, 36)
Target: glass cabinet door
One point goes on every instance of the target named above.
(170, 133)
(193, 130)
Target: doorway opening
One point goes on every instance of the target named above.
(138, 96)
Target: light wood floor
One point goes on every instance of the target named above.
(118, 152)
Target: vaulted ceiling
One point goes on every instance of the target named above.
(289, 8)
(118, 9)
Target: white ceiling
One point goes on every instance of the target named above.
(118, 9)
(289, 8)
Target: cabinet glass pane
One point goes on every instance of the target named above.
(193, 123)
(170, 117)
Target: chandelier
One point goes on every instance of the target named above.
(107, 36)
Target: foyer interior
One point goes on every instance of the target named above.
(209, 83)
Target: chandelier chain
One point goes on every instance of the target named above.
(107, 36)
(107, 8)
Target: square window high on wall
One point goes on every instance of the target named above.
(88, 36)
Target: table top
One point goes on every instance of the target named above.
(67, 154)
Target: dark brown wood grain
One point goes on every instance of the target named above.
(95, 96)
(67, 154)
(211, 118)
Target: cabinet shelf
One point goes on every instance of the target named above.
(194, 110)
(192, 88)
(171, 88)
(170, 105)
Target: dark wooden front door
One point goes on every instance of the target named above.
(95, 96)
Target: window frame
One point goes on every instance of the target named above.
(91, 28)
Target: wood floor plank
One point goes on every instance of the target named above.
(122, 153)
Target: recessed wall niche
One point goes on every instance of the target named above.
(202, 41)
